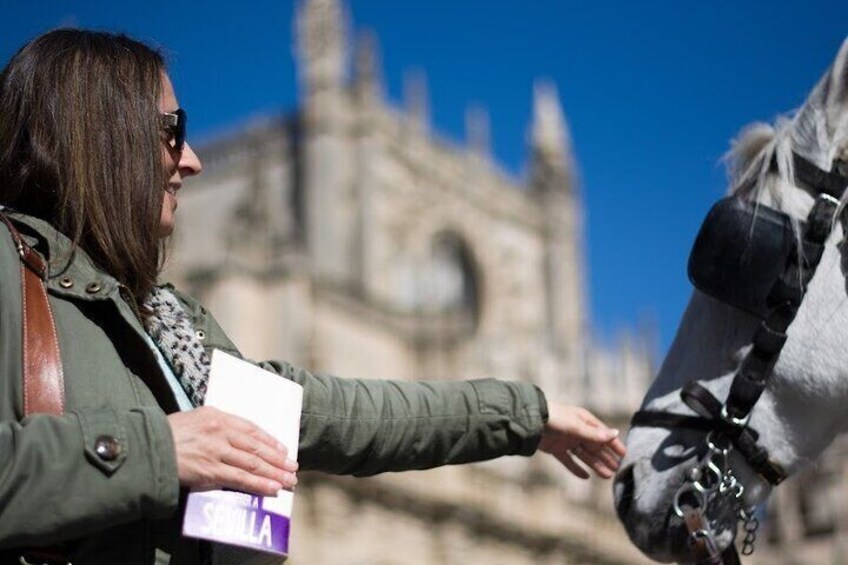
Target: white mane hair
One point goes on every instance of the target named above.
(751, 156)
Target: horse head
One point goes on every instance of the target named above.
(802, 406)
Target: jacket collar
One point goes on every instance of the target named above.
(70, 271)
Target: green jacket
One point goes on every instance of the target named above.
(55, 488)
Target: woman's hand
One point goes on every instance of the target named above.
(218, 450)
(575, 433)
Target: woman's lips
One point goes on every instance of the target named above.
(172, 192)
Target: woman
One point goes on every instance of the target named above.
(92, 159)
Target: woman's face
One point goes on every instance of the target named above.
(178, 164)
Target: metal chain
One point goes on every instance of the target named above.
(750, 524)
(713, 477)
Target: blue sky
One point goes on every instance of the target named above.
(653, 91)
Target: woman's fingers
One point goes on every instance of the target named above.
(592, 429)
(570, 464)
(603, 461)
(250, 438)
(258, 436)
(574, 434)
(600, 464)
(215, 449)
(260, 462)
(238, 479)
(275, 454)
(589, 418)
(617, 447)
(595, 463)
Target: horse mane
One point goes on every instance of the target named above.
(760, 155)
(760, 169)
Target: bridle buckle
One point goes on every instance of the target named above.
(736, 422)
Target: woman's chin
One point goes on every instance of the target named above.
(166, 228)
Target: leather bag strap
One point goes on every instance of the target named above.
(44, 383)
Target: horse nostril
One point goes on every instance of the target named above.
(623, 491)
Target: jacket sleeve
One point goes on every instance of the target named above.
(363, 427)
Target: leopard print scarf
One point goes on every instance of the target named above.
(172, 331)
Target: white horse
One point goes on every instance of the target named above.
(804, 405)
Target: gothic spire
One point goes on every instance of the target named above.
(368, 75)
(321, 43)
(550, 140)
(478, 129)
(416, 97)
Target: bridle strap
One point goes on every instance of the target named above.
(785, 299)
(832, 183)
(701, 542)
(703, 402)
(743, 438)
(653, 419)
(730, 556)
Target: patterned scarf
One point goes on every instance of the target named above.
(172, 331)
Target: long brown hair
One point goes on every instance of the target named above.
(80, 146)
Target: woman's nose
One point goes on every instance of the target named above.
(189, 162)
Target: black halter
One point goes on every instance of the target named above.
(728, 421)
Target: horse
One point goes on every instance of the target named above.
(685, 483)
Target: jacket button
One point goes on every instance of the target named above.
(93, 288)
(201, 335)
(107, 448)
(66, 282)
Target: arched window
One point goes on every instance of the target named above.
(448, 278)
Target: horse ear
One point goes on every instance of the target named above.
(838, 84)
(820, 127)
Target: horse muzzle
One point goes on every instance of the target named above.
(645, 508)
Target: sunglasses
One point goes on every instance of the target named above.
(175, 124)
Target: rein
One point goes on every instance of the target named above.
(726, 423)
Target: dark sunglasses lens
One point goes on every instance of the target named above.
(180, 130)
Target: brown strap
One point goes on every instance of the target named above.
(44, 385)
(704, 550)
(730, 556)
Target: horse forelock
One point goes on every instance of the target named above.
(759, 165)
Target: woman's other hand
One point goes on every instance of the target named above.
(218, 450)
(574, 433)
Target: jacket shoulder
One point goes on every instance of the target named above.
(10, 260)
(209, 332)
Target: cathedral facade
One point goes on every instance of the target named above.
(360, 242)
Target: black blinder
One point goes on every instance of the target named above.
(741, 251)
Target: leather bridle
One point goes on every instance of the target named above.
(726, 423)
